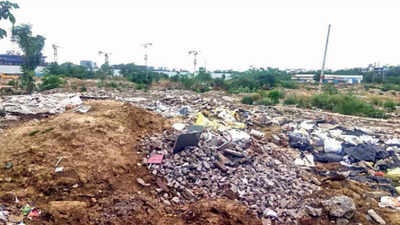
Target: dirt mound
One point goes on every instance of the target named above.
(96, 151)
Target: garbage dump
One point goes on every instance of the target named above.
(195, 159)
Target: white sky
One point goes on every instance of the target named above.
(230, 34)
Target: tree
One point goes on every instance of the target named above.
(5, 14)
(32, 47)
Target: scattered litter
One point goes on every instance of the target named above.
(257, 133)
(142, 182)
(179, 126)
(59, 169)
(26, 210)
(307, 160)
(82, 108)
(155, 159)
(332, 146)
(389, 201)
(9, 165)
(184, 140)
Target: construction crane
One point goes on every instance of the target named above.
(194, 53)
(106, 56)
(146, 56)
(55, 52)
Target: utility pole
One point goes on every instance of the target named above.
(146, 56)
(324, 60)
(55, 51)
(194, 53)
(106, 56)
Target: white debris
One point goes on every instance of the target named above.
(331, 145)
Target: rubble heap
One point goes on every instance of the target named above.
(260, 175)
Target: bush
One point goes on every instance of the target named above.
(290, 100)
(248, 100)
(51, 82)
(376, 101)
(83, 89)
(289, 84)
(263, 93)
(275, 95)
(112, 84)
(345, 104)
(264, 101)
(389, 105)
(142, 87)
(330, 89)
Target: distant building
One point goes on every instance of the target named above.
(348, 79)
(88, 64)
(11, 65)
(303, 78)
(329, 78)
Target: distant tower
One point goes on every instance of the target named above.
(55, 52)
(106, 56)
(146, 56)
(194, 53)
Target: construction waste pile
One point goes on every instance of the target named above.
(177, 157)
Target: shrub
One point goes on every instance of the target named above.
(144, 87)
(376, 101)
(248, 100)
(51, 82)
(289, 84)
(330, 89)
(345, 104)
(290, 100)
(390, 105)
(83, 89)
(263, 93)
(112, 84)
(303, 102)
(275, 95)
(264, 101)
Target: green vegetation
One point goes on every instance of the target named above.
(248, 100)
(329, 89)
(69, 70)
(6, 8)
(290, 100)
(265, 101)
(389, 105)
(345, 104)
(32, 47)
(275, 95)
(263, 98)
(51, 82)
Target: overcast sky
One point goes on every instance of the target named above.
(230, 34)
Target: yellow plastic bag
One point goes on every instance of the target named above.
(203, 121)
(393, 174)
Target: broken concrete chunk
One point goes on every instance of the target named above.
(142, 182)
(315, 212)
(340, 206)
(376, 217)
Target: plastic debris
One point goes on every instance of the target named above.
(332, 146)
(155, 159)
(185, 140)
(9, 165)
(59, 169)
(389, 201)
(26, 209)
(257, 133)
(393, 174)
(238, 135)
(179, 126)
(34, 213)
(307, 160)
(82, 108)
(203, 121)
